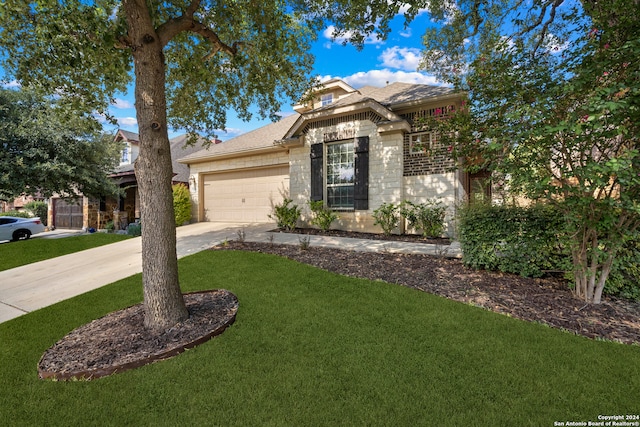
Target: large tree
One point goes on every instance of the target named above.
(45, 149)
(192, 61)
(554, 106)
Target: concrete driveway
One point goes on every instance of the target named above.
(30, 287)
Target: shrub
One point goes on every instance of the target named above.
(428, 216)
(624, 280)
(134, 229)
(181, 204)
(322, 216)
(110, 226)
(39, 209)
(526, 241)
(387, 216)
(18, 214)
(286, 216)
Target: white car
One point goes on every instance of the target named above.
(13, 228)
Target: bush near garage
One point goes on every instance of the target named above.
(39, 209)
(181, 204)
(17, 214)
(286, 216)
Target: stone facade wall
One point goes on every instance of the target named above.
(444, 187)
(388, 182)
(385, 173)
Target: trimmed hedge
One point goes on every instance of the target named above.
(624, 279)
(512, 239)
(529, 241)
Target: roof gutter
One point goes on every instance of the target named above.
(431, 100)
(227, 155)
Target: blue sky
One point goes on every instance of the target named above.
(379, 62)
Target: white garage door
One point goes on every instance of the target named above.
(244, 196)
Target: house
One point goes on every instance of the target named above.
(18, 203)
(353, 149)
(85, 213)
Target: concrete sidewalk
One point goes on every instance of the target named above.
(30, 287)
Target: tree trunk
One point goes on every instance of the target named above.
(590, 274)
(163, 301)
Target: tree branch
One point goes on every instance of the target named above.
(186, 22)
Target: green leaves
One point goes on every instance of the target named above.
(560, 124)
(45, 150)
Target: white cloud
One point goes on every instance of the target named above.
(12, 84)
(554, 44)
(405, 8)
(121, 104)
(127, 121)
(401, 58)
(380, 78)
(328, 34)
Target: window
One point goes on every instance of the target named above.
(423, 142)
(125, 154)
(326, 99)
(340, 175)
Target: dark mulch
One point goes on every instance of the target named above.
(119, 341)
(547, 300)
(414, 238)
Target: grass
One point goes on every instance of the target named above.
(16, 254)
(312, 348)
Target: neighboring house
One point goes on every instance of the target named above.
(96, 213)
(18, 203)
(353, 149)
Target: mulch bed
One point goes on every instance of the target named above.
(412, 238)
(545, 300)
(119, 341)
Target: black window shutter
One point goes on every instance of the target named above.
(316, 172)
(361, 184)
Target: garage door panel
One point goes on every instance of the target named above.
(244, 196)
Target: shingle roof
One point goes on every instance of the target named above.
(178, 150)
(257, 139)
(400, 93)
(264, 137)
(129, 136)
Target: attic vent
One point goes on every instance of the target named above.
(367, 115)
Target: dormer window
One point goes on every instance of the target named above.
(326, 99)
(125, 154)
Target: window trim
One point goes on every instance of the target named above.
(326, 99)
(317, 157)
(426, 148)
(124, 154)
(326, 184)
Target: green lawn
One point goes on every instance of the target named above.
(15, 254)
(312, 348)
